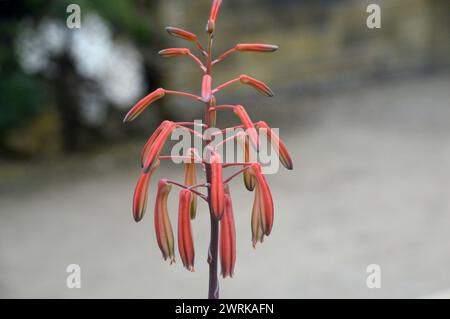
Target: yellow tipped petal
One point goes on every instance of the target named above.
(143, 104)
(163, 227)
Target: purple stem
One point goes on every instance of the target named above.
(213, 291)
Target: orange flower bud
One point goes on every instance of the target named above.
(151, 140)
(206, 88)
(265, 200)
(211, 25)
(217, 192)
(215, 10)
(258, 85)
(182, 34)
(257, 232)
(155, 149)
(173, 52)
(143, 104)
(163, 227)
(141, 194)
(256, 47)
(190, 179)
(248, 125)
(278, 144)
(185, 240)
(227, 238)
(249, 181)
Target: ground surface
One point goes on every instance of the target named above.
(371, 186)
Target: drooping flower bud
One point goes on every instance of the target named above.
(249, 181)
(248, 125)
(277, 143)
(227, 238)
(155, 149)
(141, 194)
(257, 232)
(190, 179)
(163, 227)
(217, 191)
(173, 52)
(265, 199)
(151, 140)
(182, 34)
(143, 104)
(258, 85)
(206, 88)
(256, 47)
(185, 240)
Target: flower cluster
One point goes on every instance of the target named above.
(217, 193)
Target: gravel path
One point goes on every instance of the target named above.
(371, 186)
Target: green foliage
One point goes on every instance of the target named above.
(20, 98)
(23, 95)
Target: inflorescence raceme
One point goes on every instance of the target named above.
(217, 194)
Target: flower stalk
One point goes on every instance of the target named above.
(217, 196)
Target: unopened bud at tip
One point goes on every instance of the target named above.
(210, 26)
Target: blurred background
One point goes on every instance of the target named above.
(364, 112)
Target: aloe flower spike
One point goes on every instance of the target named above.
(213, 187)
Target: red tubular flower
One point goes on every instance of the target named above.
(258, 85)
(190, 179)
(249, 181)
(163, 227)
(257, 232)
(143, 104)
(154, 150)
(265, 199)
(211, 26)
(227, 238)
(256, 47)
(141, 194)
(248, 125)
(207, 88)
(215, 10)
(151, 140)
(278, 144)
(182, 34)
(173, 52)
(185, 240)
(217, 191)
